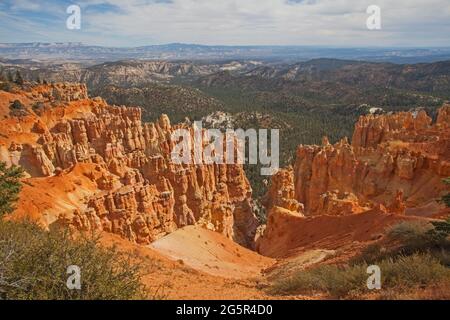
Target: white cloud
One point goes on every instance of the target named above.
(302, 22)
(25, 5)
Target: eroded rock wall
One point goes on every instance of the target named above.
(142, 193)
(392, 158)
(339, 193)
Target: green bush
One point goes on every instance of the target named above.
(6, 86)
(441, 231)
(402, 273)
(34, 262)
(408, 238)
(38, 108)
(9, 187)
(17, 105)
(19, 79)
(413, 271)
(446, 199)
(334, 280)
(17, 109)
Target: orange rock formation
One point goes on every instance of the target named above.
(137, 192)
(394, 166)
(390, 154)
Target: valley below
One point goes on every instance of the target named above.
(365, 153)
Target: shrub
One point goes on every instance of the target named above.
(34, 262)
(413, 271)
(19, 79)
(6, 86)
(9, 187)
(9, 76)
(18, 109)
(17, 105)
(441, 230)
(401, 274)
(408, 238)
(446, 199)
(38, 108)
(334, 280)
(413, 254)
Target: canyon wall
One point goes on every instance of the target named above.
(394, 166)
(393, 158)
(139, 192)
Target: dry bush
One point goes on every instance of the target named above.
(397, 275)
(408, 238)
(34, 262)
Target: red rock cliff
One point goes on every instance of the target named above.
(340, 193)
(139, 192)
(392, 158)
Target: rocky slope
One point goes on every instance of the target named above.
(123, 73)
(93, 166)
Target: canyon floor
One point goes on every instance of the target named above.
(216, 269)
(170, 273)
(198, 264)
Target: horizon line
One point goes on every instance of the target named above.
(231, 45)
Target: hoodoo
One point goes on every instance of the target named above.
(93, 166)
(395, 165)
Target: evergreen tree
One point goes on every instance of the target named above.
(10, 186)
(10, 77)
(441, 230)
(446, 198)
(19, 79)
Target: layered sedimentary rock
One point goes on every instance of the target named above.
(61, 92)
(392, 158)
(281, 192)
(392, 171)
(142, 194)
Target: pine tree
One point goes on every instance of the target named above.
(19, 79)
(10, 77)
(446, 199)
(10, 186)
(441, 230)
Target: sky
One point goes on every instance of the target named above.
(129, 23)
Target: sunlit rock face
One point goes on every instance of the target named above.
(390, 155)
(139, 193)
(393, 169)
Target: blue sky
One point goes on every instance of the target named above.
(229, 22)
